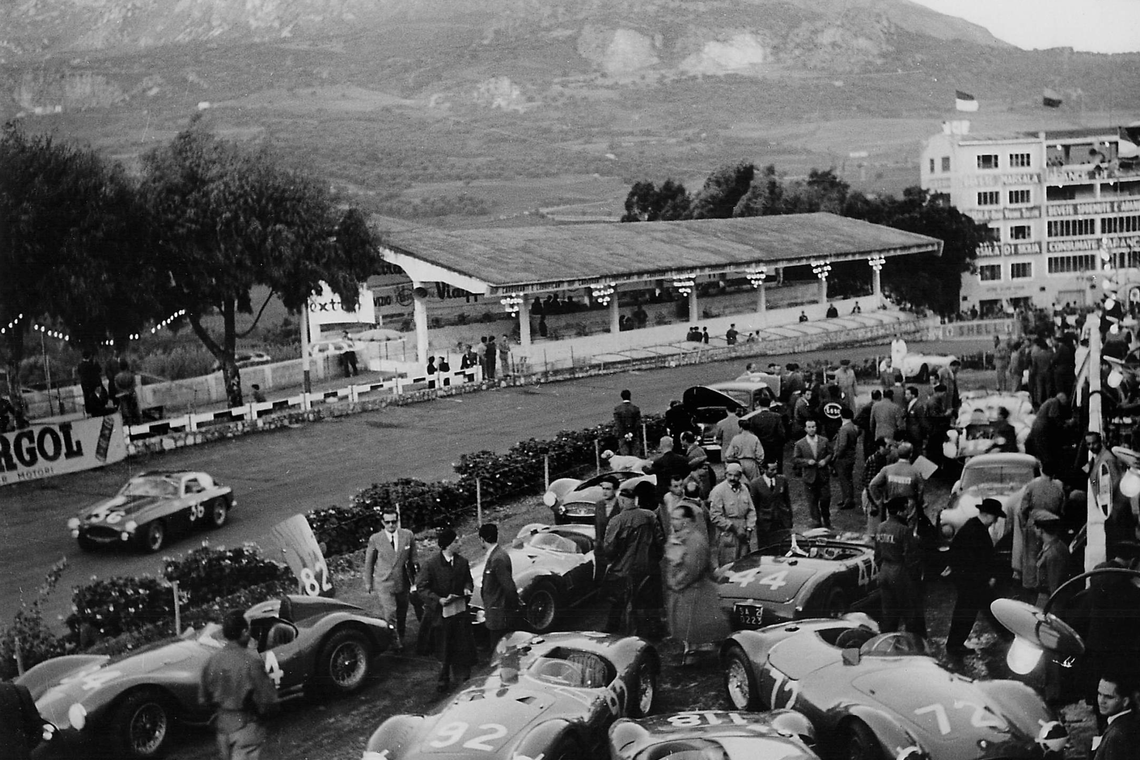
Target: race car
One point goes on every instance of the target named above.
(872, 695)
(783, 734)
(151, 507)
(988, 476)
(133, 700)
(818, 573)
(554, 568)
(709, 404)
(551, 697)
(573, 500)
(921, 367)
(973, 431)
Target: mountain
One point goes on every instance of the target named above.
(469, 109)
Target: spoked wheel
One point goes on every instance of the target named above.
(541, 608)
(153, 536)
(738, 682)
(219, 512)
(140, 725)
(643, 691)
(346, 660)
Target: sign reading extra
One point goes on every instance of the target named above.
(43, 451)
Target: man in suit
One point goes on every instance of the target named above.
(500, 595)
(445, 586)
(886, 417)
(914, 419)
(846, 441)
(973, 570)
(772, 502)
(773, 434)
(812, 457)
(1116, 701)
(389, 566)
(627, 423)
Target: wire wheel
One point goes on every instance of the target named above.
(738, 683)
(541, 608)
(346, 661)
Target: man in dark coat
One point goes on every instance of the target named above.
(634, 545)
(772, 501)
(1116, 701)
(670, 462)
(91, 383)
(769, 427)
(899, 556)
(500, 595)
(21, 727)
(444, 584)
(677, 419)
(973, 569)
(627, 423)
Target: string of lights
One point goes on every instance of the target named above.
(59, 335)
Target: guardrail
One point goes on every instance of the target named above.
(256, 412)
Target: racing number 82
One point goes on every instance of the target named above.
(316, 582)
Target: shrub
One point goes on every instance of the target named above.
(115, 605)
(29, 631)
(207, 573)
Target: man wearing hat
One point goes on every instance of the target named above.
(845, 379)
(733, 514)
(444, 584)
(634, 545)
(973, 569)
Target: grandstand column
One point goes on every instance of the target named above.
(694, 309)
(615, 316)
(419, 314)
(524, 324)
(761, 299)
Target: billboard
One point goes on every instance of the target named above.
(43, 451)
(326, 309)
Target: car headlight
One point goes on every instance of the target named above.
(77, 716)
(114, 517)
(549, 499)
(131, 526)
(370, 755)
(73, 523)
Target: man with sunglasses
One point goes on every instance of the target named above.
(389, 567)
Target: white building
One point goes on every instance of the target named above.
(1054, 200)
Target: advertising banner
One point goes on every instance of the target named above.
(43, 451)
(326, 309)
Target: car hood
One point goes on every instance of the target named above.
(942, 709)
(774, 579)
(128, 505)
(513, 708)
(85, 683)
(701, 396)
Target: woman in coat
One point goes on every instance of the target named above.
(693, 606)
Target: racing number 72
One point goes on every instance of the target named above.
(791, 686)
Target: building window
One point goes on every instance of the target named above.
(1126, 259)
(1117, 224)
(1020, 197)
(1019, 232)
(989, 272)
(1020, 270)
(1067, 264)
(1064, 193)
(988, 161)
(1018, 160)
(932, 166)
(989, 198)
(946, 163)
(1071, 227)
(995, 234)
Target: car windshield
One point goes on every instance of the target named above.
(555, 671)
(741, 397)
(552, 542)
(150, 485)
(1012, 476)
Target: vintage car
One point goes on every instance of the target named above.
(133, 700)
(973, 431)
(151, 507)
(872, 695)
(245, 359)
(818, 573)
(573, 500)
(920, 367)
(552, 697)
(554, 568)
(709, 404)
(988, 476)
(720, 734)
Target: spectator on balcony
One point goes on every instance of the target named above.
(832, 312)
(731, 336)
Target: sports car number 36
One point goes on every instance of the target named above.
(451, 733)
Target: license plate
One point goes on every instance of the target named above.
(749, 614)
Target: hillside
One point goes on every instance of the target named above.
(465, 112)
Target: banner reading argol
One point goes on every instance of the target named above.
(43, 451)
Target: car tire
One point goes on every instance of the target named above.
(218, 512)
(541, 608)
(345, 662)
(642, 691)
(836, 604)
(141, 725)
(859, 743)
(152, 536)
(739, 682)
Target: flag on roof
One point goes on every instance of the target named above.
(1051, 98)
(964, 101)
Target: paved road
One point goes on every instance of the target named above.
(275, 475)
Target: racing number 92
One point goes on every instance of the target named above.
(452, 733)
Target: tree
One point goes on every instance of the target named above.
(72, 248)
(925, 280)
(722, 191)
(647, 203)
(229, 218)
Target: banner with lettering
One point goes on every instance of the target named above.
(44, 451)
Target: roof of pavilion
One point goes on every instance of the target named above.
(529, 259)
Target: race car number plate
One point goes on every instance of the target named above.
(749, 614)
